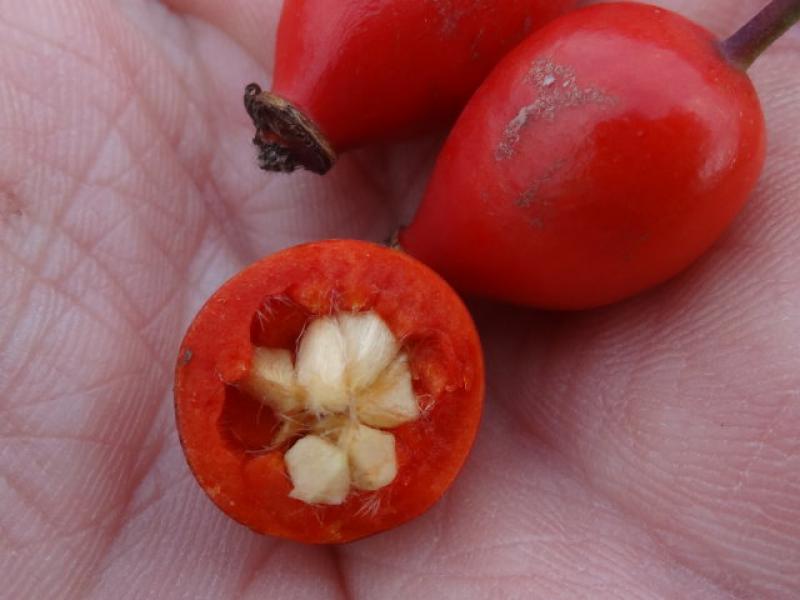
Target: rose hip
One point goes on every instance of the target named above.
(600, 158)
(329, 392)
(351, 72)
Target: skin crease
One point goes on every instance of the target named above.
(646, 450)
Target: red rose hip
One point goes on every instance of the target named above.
(351, 72)
(601, 157)
(329, 392)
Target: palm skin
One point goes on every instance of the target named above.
(645, 450)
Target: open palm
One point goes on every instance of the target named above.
(647, 450)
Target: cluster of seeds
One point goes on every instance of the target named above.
(349, 383)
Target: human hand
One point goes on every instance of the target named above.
(645, 450)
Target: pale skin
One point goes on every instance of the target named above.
(647, 450)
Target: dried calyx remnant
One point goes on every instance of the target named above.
(286, 138)
(350, 383)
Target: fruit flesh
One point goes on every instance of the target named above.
(601, 157)
(229, 435)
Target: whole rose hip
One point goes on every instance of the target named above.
(601, 157)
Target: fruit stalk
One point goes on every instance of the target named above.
(758, 34)
(285, 137)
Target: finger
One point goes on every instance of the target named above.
(519, 523)
(100, 224)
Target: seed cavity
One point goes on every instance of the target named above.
(349, 383)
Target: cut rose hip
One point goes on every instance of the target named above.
(329, 392)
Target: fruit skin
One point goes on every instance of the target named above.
(220, 430)
(601, 157)
(368, 70)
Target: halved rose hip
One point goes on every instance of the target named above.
(328, 392)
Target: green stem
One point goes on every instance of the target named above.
(747, 44)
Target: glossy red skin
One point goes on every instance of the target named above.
(620, 178)
(368, 70)
(222, 430)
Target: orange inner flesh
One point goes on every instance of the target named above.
(257, 431)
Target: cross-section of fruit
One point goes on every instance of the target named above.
(329, 392)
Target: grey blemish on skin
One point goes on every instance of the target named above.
(526, 198)
(186, 357)
(536, 223)
(557, 88)
(451, 15)
(530, 195)
(527, 26)
(539, 206)
(474, 53)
